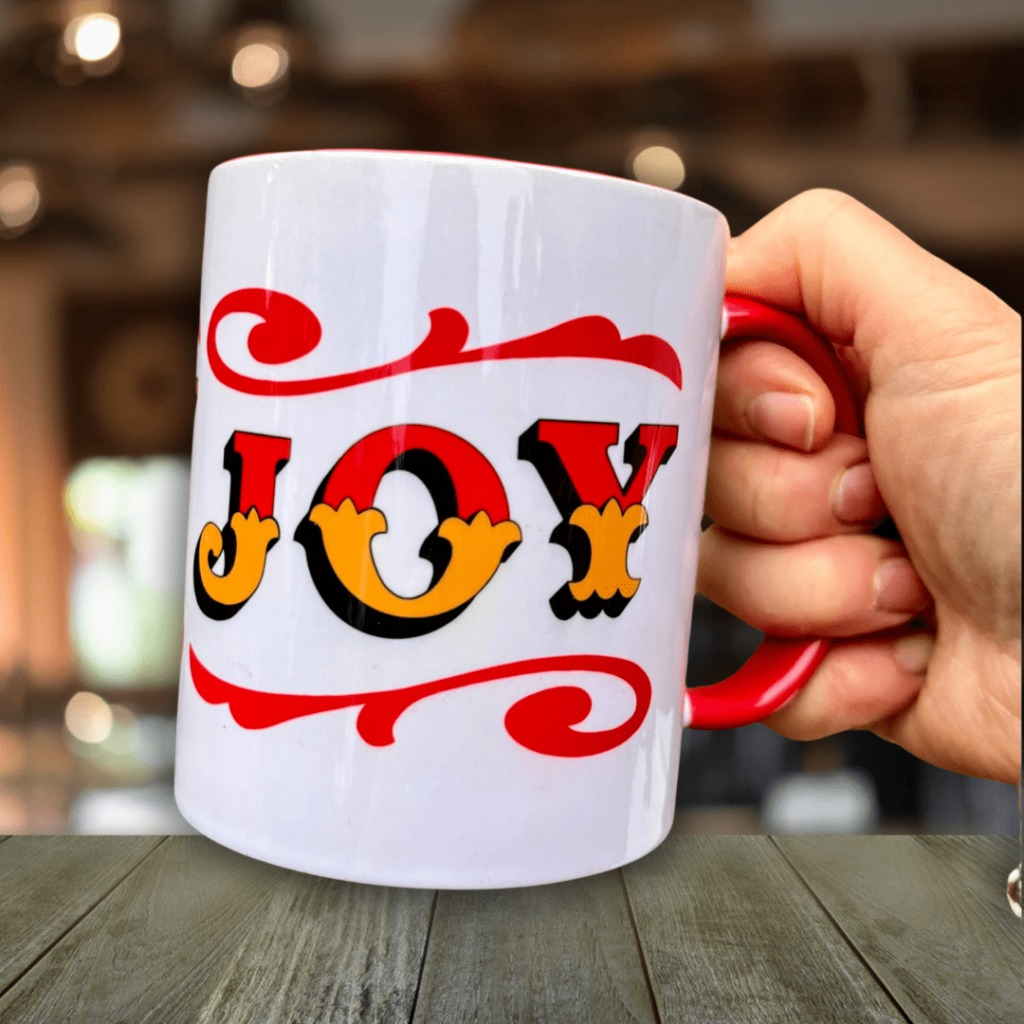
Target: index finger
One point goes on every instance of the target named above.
(853, 276)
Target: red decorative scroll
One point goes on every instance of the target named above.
(542, 722)
(290, 330)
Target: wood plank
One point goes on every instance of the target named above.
(48, 883)
(929, 915)
(730, 933)
(555, 953)
(327, 951)
(199, 933)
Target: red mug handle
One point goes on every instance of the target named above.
(780, 666)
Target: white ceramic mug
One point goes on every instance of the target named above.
(507, 371)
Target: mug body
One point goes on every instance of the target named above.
(447, 481)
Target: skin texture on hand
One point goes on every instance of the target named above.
(936, 359)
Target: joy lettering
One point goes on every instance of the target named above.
(475, 532)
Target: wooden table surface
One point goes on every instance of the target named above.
(748, 929)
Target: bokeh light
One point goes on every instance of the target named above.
(92, 37)
(19, 196)
(96, 495)
(821, 802)
(259, 64)
(88, 717)
(128, 521)
(659, 165)
(106, 624)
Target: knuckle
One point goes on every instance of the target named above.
(819, 202)
(763, 511)
(795, 723)
(814, 595)
(846, 450)
(829, 597)
(840, 678)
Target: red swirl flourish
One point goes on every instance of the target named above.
(542, 722)
(290, 329)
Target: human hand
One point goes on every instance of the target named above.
(936, 359)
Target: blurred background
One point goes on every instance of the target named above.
(113, 113)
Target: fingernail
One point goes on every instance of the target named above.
(898, 588)
(856, 498)
(912, 653)
(785, 418)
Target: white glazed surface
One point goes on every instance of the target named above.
(373, 242)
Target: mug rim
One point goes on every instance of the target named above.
(430, 156)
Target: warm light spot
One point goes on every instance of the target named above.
(259, 64)
(88, 717)
(92, 37)
(13, 813)
(19, 196)
(659, 165)
(97, 494)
